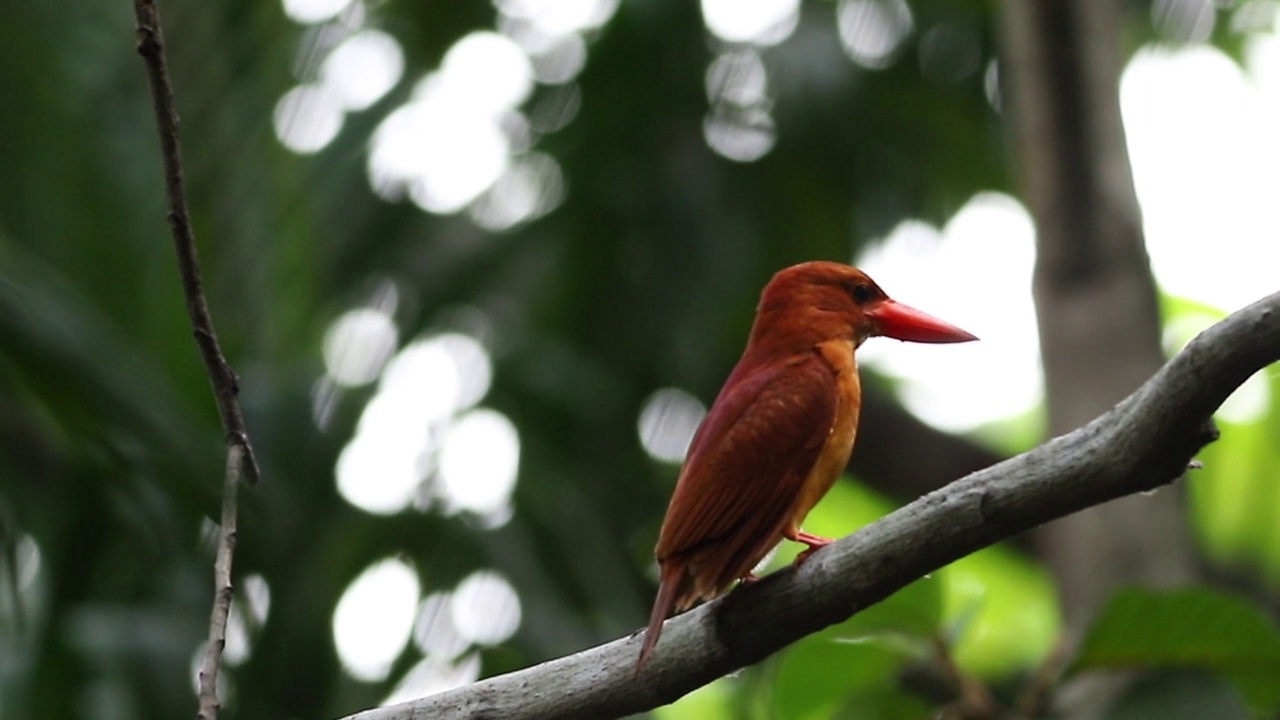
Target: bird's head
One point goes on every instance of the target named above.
(816, 301)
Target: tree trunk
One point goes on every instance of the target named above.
(1095, 295)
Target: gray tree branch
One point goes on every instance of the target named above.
(240, 458)
(1143, 443)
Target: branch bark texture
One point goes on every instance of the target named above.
(240, 457)
(1142, 443)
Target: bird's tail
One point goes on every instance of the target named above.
(663, 604)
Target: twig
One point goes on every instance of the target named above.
(240, 457)
(208, 678)
(973, 701)
(1038, 691)
(1141, 444)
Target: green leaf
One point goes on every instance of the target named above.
(1195, 628)
(996, 607)
(883, 703)
(1001, 611)
(1234, 496)
(1180, 695)
(709, 702)
(915, 611)
(818, 675)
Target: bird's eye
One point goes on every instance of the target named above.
(862, 293)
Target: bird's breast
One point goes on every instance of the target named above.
(834, 456)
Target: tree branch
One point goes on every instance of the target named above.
(240, 457)
(1142, 443)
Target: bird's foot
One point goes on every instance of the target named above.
(813, 541)
(749, 579)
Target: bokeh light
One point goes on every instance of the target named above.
(739, 124)
(344, 67)
(1188, 21)
(461, 140)
(313, 11)
(531, 187)
(975, 273)
(555, 109)
(560, 61)
(759, 22)
(485, 608)
(372, 622)
(744, 136)
(738, 77)
(667, 423)
(443, 160)
(447, 145)
(422, 379)
(307, 118)
(872, 31)
(434, 632)
(991, 86)
(381, 475)
(363, 68)
(21, 563)
(1208, 197)
(357, 345)
(495, 73)
(434, 675)
(479, 458)
(557, 18)
(1256, 16)
(27, 562)
(118, 698)
(471, 366)
(406, 423)
(248, 612)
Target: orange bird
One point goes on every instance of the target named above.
(779, 433)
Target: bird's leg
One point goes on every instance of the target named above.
(813, 541)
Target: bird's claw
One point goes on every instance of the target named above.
(805, 555)
(813, 541)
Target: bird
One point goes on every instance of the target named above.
(778, 434)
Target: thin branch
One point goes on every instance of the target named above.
(225, 383)
(1038, 691)
(1142, 443)
(972, 699)
(240, 456)
(208, 678)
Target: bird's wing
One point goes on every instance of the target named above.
(748, 462)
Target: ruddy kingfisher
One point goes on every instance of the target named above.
(779, 433)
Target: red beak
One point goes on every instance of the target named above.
(898, 321)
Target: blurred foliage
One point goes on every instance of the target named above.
(110, 450)
(1192, 628)
(1180, 695)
